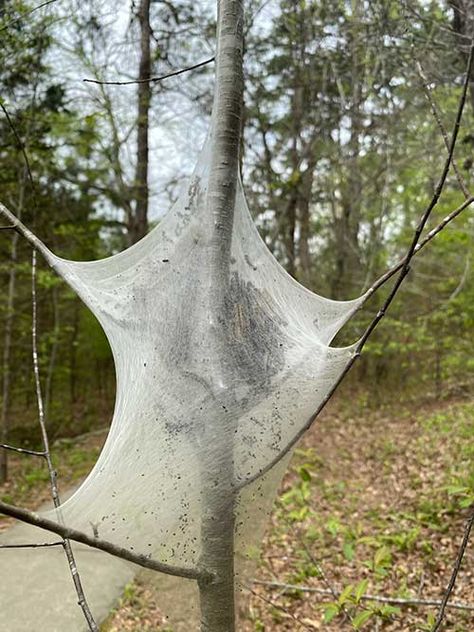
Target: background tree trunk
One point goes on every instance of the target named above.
(8, 336)
(139, 221)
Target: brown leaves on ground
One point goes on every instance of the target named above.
(376, 509)
(372, 505)
(365, 510)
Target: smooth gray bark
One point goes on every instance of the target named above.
(217, 599)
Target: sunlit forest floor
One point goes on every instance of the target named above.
(372, 505)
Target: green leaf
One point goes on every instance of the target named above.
(382, 557)
(361, 589)
(330, 612)
(304, 474)
(346, 593)
(387, 611)
(348, 551)
(361, 619)
(333, 526)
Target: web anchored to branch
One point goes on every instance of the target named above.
(205, 382)
(196, 373)
(221, 360)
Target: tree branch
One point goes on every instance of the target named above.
(403, 268)
(282, 609)
(396, 601)
(82, 601)
(439, 122)
(26, 14)
(68, 533)
(31, 546)
(175, 73)
(4, 446)
(435, 231)
(25, 232)
(452, 582)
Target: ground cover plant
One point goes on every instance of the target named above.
(335, 527)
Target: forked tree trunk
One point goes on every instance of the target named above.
(217, 599)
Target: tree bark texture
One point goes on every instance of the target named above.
(217, 598)
(7, 345)
(139, 220)
(8, 336)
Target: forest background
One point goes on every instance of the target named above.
(341, 152)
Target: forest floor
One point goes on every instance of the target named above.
(373, 505)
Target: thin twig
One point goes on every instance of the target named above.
(103, 545)
(175, 73)
(82, 601)
(20, 143)
(26, 14)
(31, 546)
(346, 614)
(4, 446)
(7, 228)
(435, 231)
(28, 234)
(281, 608)
(396, 601)
(439, 122)
(403, 268)
(452, 582)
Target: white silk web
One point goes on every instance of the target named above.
(209, 391)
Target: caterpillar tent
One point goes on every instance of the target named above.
(212, 386)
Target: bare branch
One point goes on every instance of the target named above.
(281, 608)
(4, 446)
(31, 546)
(26, 14)
(103, 545)
(396, 601)
(20, 143)
(175, 73)
(82, 601)
(435, 231)
(52, 472)
(452, 582)
(25, 232)
(439, 122)
(403, 268)
(322, 574)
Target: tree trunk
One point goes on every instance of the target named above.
(139, 221)
(348, 223)
(73, 345)
(305, 218)
(217, 599)
(53, 353)
(7, 346)
(8, 337)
